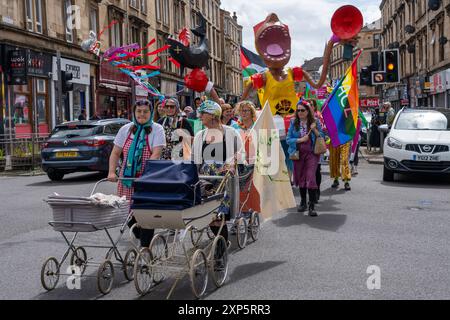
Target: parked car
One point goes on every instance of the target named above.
(419, 141)
(80, 146)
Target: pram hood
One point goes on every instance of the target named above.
(167, 185)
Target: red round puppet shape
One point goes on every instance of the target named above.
(347, 22)
(196, 80)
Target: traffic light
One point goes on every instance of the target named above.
(65, 78)
(365, 78)
(392, 65)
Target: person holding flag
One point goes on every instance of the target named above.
(340, 114)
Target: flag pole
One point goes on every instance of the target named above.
(325, 105)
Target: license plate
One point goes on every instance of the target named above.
(68, 154)
(425, 158)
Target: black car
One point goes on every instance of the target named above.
(80, 146)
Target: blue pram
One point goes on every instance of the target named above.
(168, 196)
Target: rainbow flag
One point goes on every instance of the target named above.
(251, 63)
(340, 112)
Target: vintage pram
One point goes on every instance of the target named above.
(168, 196)
(83, 215)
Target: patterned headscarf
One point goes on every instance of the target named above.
(133, 162)
(211, 107)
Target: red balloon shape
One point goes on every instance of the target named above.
(347, 22)
(196, 80)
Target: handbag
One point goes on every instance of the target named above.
(295, 156)
(320, 147)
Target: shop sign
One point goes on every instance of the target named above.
(438, 83)
(79, 70)
(39, 64)
(141, 91)
(17, 67)
(110, 74)
(405, 102)
(426, 87)
(369, 102)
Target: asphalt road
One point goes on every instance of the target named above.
(402, 228)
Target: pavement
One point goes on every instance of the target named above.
(398, 228)
(375, 156)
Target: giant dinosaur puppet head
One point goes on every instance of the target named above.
(273, 42)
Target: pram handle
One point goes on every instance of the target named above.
(97, 184)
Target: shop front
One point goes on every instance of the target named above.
(439, 89)
(25, 92)
(74, 102)
(114, 95)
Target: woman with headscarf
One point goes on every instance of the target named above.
(138, 142)
(215, 150)
(302, 135)
(176, 128)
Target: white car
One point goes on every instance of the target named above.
(419, 141)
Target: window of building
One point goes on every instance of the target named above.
(441, 46)
(34, 15)
(144, 6)
(69, 27)
(166, 16)
(133, 3)
(93, 18)
(116, 29)
(376, 40)
(158, 10)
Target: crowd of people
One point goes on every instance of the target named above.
(165, 131)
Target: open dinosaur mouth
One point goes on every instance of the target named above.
(274, 43)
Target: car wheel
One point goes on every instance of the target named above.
(55, 175)
(388, 175)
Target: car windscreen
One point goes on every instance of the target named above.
(76, 131)
(427, 120)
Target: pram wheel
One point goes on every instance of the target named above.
(241, 233)
(196, 236)
(128, 264)
(199, 273)
(255, 226)
(143, 278)
(219, 261)
(50, 274)
(159, 253)
(105, 277)
(79, 259)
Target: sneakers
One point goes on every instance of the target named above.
(347, 186)
(335, 183)
(354, 171)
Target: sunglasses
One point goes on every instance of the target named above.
(302, 110)
(170, 106)
(142, 103)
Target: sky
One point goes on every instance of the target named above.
(308, 21)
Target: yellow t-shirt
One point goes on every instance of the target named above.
(280, 94)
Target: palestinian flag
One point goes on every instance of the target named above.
(251, 63)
